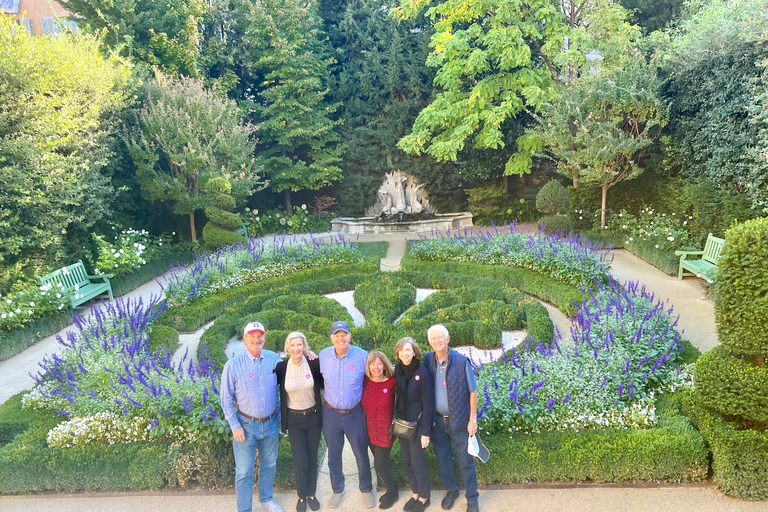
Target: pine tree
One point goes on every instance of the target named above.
(298, 141)
(382, 85)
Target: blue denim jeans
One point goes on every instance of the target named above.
(263, 437)
(444, 440)
(335, 427)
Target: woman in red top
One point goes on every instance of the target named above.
(378, 403)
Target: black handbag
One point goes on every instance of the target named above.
(404, 429)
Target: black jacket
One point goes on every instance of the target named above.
(420, 399)
(314, 367)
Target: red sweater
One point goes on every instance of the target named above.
(378, 403)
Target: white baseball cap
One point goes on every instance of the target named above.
(252, 327)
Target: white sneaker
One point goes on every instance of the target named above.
(271, 506)
(336, 499)
(369, 499)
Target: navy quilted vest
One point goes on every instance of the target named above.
(458, 389)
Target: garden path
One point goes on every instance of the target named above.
(531, 498)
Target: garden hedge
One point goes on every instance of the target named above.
(16, 341)
(560, 294)
(732, 379)
(674, 451)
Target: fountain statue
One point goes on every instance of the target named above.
(401, 206)
(399, 194)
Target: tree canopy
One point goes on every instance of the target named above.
(185, 136)
(58, 101)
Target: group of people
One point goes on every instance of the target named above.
(347, 392)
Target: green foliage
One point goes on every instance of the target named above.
(730, 386)
(714, 210)
(17, 340)
(159, 264)
(741, 309)
(59, 99)
(714, 127)
(732, 379)
(739, 457)
(553, 198)
(653, 14)
(666, 261)
(544, 287)
(665, 231)
(185, 136)
(163, 338)
(486, 201)
(277, 221)
(298, 141)
(673, 451)
(599, 127)
(384, 297)
(553, 223)
(221, 221)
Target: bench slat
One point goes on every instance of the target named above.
(74, 278)
(706, 266)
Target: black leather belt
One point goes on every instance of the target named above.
(260, 420)
(341, 411)
(446, 417)
(304, 412)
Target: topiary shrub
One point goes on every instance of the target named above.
(552, 223)
(731, 380)
(221, 221)
(553, 198)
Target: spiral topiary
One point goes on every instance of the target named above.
(731, 380)
(221, 221)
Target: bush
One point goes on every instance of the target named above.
(553, 198)
(486, 202)
(164, 338)
(732, 379)
(384, 297)
(733, 387)
(554, 223)
(742, 303)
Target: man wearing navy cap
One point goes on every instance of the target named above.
(249, 399)
(343, 369)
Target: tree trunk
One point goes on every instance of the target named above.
(505, 181)
(605, 187)
(192, 226)
(288, 206)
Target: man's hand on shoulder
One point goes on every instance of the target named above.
(311, 356)
(239, 435)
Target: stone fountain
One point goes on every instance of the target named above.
(402, 206)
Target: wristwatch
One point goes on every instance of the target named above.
(474, 420)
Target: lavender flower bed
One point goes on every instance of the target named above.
(259, 259)
(113, 388)
(568, 258)
(624, 352)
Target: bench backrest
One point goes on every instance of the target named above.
(712, 249)
(68, 276)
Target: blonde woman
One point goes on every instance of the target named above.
(378, 401)
(300, 383)
(414, 402)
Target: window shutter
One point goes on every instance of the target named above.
(9, 6)
(48, 26)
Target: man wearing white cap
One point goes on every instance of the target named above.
(249, 400)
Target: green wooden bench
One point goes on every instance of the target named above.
(706, 266)
(243, 229)
(75, 279)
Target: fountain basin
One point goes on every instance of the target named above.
(368, 225)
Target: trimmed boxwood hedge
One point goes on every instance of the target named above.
(191, 316)
(733, 387)
(16, 341)
(674, 451)
(544, 287)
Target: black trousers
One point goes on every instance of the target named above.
(383, 469)
(304, 435)
(415, 459)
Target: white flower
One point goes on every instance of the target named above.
(671, 238)
(32, 304)
(18, 310)
(3, 315)
(303, 207)
(9, 301)
(10, 315)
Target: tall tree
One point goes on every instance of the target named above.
(599, 127)
(186, 136)
(163, 34)
(497, 59)
(58, 103)
(298, 140)
(383, 84)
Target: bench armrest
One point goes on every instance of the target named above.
(689, 253)
(102, 276)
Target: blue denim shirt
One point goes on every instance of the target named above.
(343, 376)
(251, 384)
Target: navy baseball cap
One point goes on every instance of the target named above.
(341, 325)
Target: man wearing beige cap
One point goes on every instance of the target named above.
(249, 399)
